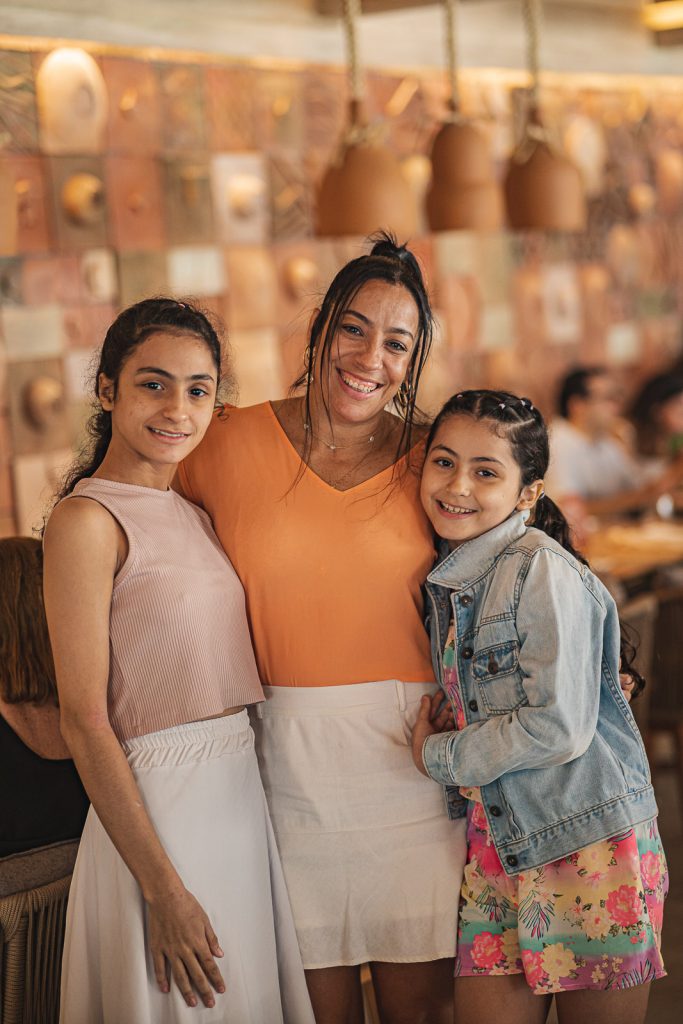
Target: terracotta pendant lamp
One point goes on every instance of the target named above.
(463, 193)
(364, 189)
(543, 188)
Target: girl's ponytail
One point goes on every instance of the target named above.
(549, 518)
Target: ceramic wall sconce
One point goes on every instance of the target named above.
(72, 102)
(83, 199)
(37, 406)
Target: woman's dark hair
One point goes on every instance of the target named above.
(387, 261)
(27, 672)
(655, 393)
(131, 327)
(518, 420)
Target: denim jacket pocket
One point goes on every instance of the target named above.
(498, 677)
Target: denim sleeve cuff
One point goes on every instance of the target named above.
(435, 755)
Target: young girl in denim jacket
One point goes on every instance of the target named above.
(566, 876)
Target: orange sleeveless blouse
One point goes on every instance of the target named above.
(332, 578)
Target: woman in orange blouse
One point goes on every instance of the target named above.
(315, 500)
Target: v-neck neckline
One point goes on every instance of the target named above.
(316, 476)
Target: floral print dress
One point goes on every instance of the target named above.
(591, 920)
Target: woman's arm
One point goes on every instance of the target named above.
(557, 619)
(83, 548)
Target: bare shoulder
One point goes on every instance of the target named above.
(81, 529)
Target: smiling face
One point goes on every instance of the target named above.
(470, 481)
(162, 402)
(369, 355)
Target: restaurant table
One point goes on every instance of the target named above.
(634, 552)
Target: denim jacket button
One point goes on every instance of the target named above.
(466, 600)
(467, 652)
(512, 861)
(493, 666)
(496, 812)
(473, 706)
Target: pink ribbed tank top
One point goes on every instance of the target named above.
(179, 647)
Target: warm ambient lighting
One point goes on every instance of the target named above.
(664, 16)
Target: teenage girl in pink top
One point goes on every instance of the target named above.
(178, 897)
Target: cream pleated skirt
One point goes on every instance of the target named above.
(200, 784)
(372, 863)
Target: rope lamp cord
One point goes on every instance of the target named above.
(352, 11)
(452, 53)
(533, 13)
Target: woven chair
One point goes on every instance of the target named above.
(34, 888)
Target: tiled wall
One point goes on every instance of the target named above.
(207, 173)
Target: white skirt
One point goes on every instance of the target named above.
(200, 784)
(373, 865)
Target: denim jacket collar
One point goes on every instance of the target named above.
(474, 559)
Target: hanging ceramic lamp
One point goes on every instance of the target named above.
(543, 187)
(463, 193)
(364, 190)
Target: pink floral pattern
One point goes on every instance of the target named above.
(592, 920)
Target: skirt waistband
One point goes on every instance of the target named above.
(336, 699)
(193, 741)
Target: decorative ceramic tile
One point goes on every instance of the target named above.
(30, 201)
(18, 115)
(98, 318)
(10, 281)
(497, 327)
(494, 266)
(455, 252)
(253, 288)
(76, 327)
(182, 105)
(257, 364)
(401, 108)
(624, 343)
(54, 279)
(562, 303)
(459, 300)
(72, 102)
(37, 406)
(79, 202)
(6, 488)
(142, 274)
(230, 107)
(99, 275)
(239, 184)
(134, 107)
(324, 99)
(304, 270)
(135, 203)
(189, 211)
(80, 366)
(196, 270)
(291, 197)
(278, 110)
(36, 480)
(35, 333)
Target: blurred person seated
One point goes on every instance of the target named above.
(657, 415)
(592, 472)
(42, 800)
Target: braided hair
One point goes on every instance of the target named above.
(518, 420)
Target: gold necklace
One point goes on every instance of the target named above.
(331, 445)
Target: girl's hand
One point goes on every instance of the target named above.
(180, 935)
(627, 684)
(431, 719)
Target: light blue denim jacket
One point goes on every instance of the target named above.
(551, 740)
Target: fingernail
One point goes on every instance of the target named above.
(221, 989)
(220, 952)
